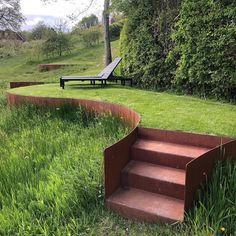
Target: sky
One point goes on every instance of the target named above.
(36, 10)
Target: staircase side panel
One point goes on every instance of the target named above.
(200, 169)
(116, 158)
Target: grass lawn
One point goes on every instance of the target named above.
(51, 180)
(160, 110)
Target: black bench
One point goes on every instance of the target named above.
(103, 77)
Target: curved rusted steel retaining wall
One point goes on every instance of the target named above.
(24, 84)
(49, 67)
(125, 113)
(118, 155)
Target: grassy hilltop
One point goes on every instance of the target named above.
(51, 170)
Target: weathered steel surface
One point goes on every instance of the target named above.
(196, 152)
(120, 111)
(49, 67)
(199, 170)
(186, 138)
(23, 84)
(145, 206)
(116, 156)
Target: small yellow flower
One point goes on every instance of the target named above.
(222, 230)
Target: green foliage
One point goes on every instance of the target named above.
(33, 50)
(57, 44)
(200, 56)
(41, 31)
(51, 169)
(216, 206)
(205, 47)
(115, 30)
(9, 48)
(91, 36)
(10, 15)
(146, 42)
(87, 22)
(50, 157)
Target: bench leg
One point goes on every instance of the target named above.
(91, 82)
(62, 83)
(102, 82)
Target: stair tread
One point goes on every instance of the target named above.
(173, 148)
(151, 204)
(157, 172)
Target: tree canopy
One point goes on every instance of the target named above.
(88, 21)
(10, 15)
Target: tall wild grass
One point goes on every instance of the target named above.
(51, 168)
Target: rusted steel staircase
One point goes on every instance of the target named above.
(151, 174)
(153, 183)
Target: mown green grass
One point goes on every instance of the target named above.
(158, 110)
(51, 173)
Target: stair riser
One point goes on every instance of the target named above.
(166, 159)
(134, 214)
(153, 185)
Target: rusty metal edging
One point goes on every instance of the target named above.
(115, 156)
(199, 170)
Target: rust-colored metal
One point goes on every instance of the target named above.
(185, 138)
(23, 84)
(202, 151)
(125, 113)
(199, 170)
(49, 67)
(116, 156)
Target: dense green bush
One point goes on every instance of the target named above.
(205, 46)
(146, 42)
(41, 31)
(9, 48)
(57, 44)
(33, 50)
(188, 47)
(91, 36)
(115, 30)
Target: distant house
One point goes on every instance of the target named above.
(11, 35)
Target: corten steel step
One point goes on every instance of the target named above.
(154, 178)
(141, 205)
(147, 171)
(165, 153)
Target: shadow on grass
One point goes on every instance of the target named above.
(88, 86)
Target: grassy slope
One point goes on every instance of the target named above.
(158, 110)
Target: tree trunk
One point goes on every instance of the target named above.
(108, 57)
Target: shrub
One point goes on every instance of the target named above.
(205, 44)
(115, 30)
(33, 50)
(146, 42)
(41, 31)
(57, 44)
(9, 48)
(91, 36)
